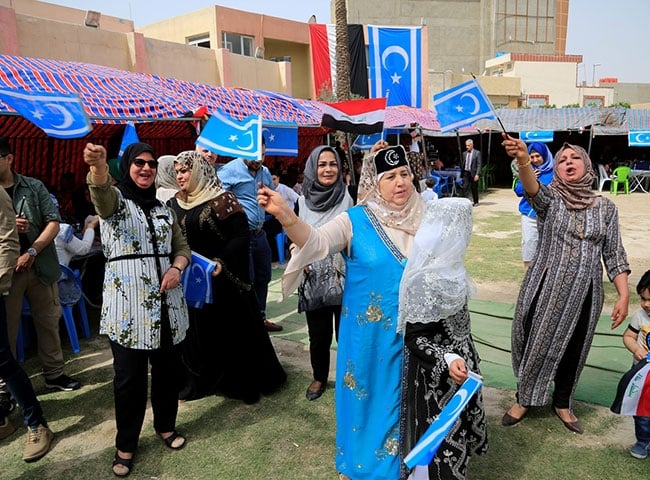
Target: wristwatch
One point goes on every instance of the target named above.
(32, 252)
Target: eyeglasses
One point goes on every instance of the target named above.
(138, 162)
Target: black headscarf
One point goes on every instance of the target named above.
(145, 198)
(318, 197)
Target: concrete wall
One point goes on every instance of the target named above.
(462, 34)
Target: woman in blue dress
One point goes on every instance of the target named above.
(379, 414)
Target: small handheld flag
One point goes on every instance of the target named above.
(226, 136)
(197, 280)
(462, 105)
(281, 141)
(128, 137)
(428, 445)
(59, 115)
(633, 392)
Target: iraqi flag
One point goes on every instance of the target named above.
(633, 392)
(323, 57)
(355, 116)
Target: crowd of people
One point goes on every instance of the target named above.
(378, 267)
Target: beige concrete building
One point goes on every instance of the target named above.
(246, 50)
(464, 34)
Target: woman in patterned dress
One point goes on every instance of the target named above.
(561, 297)
(227, 348)
(380, 409)
(143, 313)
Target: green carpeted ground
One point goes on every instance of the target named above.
(491, 321)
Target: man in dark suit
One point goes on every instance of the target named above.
(471, 170)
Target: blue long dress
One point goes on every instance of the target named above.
(370, 355)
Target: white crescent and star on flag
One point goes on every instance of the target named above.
(59, 115)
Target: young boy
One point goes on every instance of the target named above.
(637, 340)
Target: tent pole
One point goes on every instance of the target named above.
(348, 154)
(489, 145)
(591, 137)
(460, 150)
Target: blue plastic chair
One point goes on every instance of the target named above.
(281, 242)
(71, 294)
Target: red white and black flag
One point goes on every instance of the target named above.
(355, 116)
(323, 55)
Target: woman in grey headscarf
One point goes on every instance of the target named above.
(324, 196)
(166, 185)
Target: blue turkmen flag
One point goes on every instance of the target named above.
(638, 138)
(282, 141)
(128, 137)
(462, 105)
(365, 142)
(59, 115)
(545, 136)
(197, 281)
(233, 138)
(395, 64)
(428, 445)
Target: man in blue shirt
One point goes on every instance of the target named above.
(242, 177)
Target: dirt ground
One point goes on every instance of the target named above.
(634, 221)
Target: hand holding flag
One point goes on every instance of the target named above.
(428, 445)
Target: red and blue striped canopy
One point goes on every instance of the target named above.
(112, 95)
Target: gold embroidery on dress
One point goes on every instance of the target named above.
(374, 313)
(350, 381)
(391, 445)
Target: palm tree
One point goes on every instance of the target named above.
(342, 52)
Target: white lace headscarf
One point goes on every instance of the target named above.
(435, 284)
(406, 217)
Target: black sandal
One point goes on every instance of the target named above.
(124, 462)
(169, 441)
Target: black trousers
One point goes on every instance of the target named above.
(130, 391)
(321, 327)
(468, 182)
(567, 371)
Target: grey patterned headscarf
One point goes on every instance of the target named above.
(318, 197)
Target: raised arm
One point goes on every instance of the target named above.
(517, 149)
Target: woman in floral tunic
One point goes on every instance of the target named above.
(561, 297)
(143, 312)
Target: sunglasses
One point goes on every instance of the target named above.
(138, 162)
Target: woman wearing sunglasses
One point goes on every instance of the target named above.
(143, 313)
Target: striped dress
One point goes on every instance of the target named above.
(563, 283)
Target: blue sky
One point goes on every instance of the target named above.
(610, 34)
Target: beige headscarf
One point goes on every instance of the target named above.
(406, 218)
(204, 185)
(575, 195)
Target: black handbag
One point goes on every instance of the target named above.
(322, 284)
